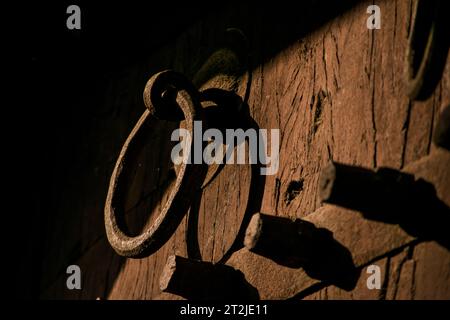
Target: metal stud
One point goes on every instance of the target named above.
(285, 241)
(300, 244)
(195, 279)
(369, 191)
(442, 131)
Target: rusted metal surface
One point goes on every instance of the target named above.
(187, 181)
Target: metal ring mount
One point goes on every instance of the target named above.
(171, 96)
(151, 239)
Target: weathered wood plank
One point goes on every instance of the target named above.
(335, 93)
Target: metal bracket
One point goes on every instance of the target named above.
(171, 96)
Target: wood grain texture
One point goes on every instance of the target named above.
(335, 91)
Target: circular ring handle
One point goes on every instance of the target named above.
(156, 235)
(427, 49)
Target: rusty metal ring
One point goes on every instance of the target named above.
(151, 239)
(427, 49)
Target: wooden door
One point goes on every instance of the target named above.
(335, 90)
